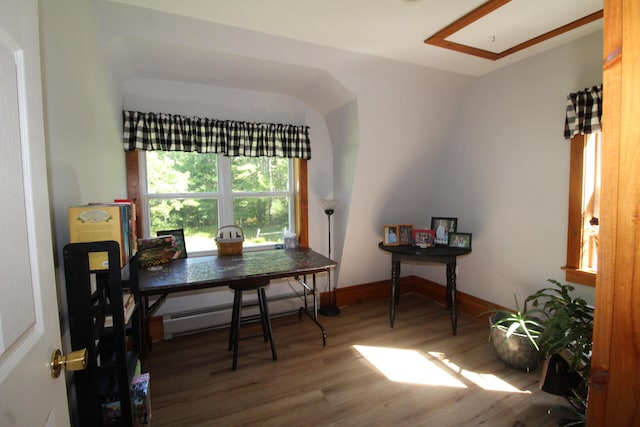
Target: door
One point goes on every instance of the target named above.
(614, 394)
(29, 322)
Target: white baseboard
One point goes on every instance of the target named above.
(188, 322)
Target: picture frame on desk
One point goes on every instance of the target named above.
(460, 240)
(178, 234)
(442, 227)
(405, 233)
(424, 238)
(390, 235)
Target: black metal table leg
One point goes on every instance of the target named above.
(305, 310)
(451, 296)
(395, 290)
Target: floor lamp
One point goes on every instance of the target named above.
(331, 309)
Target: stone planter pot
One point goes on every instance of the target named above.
(516, 351)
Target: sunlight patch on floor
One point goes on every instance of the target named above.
(486, 381)
(407, 366)
(411, 366)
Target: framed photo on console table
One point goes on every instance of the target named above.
(424, 238)
(390, 235)
(406, 234)
(460, 240)
(442, 227)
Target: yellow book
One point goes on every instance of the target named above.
(97, 223)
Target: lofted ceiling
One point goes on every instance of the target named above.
(141, 40)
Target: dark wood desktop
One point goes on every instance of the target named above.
(436, 255)
(188, 274)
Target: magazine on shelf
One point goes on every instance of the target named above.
(141, 400)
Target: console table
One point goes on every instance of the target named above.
(435, 255)
(188, 274)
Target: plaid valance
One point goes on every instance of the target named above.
(584, 112)
(168, 132)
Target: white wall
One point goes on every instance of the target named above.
(82, 109)
(343, 125)
(505, 172)
(404, 116)
(82, 117)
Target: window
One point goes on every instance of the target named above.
(584, 209)
(200, 192)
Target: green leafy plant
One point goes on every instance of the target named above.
(559, 324)
(522, 321)
(568, 329)
(569, 323)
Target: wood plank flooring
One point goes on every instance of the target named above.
(310, 385)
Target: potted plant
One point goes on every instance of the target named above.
(515, 336)
(566, 343)
(569, 323)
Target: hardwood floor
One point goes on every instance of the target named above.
(309, 385)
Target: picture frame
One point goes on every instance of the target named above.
(178, 234)
(442, 227)
(424, 238)
(460, 240)
(390, 235)
(405, 233)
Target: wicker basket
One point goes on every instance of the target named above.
(229, 240)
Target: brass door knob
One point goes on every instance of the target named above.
(74, 361)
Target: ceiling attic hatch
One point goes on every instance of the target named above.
(499, 28)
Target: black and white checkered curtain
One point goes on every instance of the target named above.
(584, 112)
(168, 132)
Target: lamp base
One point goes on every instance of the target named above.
(329, 310)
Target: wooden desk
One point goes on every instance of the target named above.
(189, 274)
(437, 255)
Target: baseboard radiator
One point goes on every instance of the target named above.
(199, 320)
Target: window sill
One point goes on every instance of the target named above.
(582, 277)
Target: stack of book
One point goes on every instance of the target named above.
(97, 222)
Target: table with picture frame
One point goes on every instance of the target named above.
(189, 274)
(434, 255)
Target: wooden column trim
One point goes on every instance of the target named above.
(574, 230)
(302, 201)
(575, 201)
(440, 38)
(133, 186)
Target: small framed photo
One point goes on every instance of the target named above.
(460, 240)
(424, 238)
(442, 227)
(179, 238)
(406, 234)
(390, 235)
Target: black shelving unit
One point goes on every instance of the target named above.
(113, 351)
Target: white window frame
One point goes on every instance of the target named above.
(225, 200)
